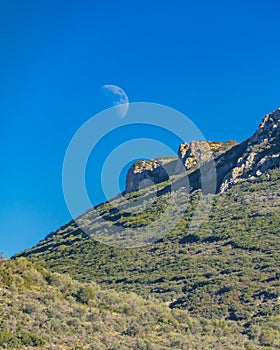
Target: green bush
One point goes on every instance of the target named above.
(8, 340)
(86, 294)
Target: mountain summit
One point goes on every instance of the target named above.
(262, 152)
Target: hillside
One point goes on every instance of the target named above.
(228, 269)
(46, 310)
(213, 254)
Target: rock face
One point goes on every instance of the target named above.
(144, 173)
(198, 152)
(190, 156)
(262, 153)
(233, 162)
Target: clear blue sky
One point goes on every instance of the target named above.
(215, 61)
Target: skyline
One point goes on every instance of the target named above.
(216, 63)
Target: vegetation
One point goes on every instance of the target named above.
(227, 270)
(46, 310)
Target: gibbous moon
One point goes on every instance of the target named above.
(118, 98)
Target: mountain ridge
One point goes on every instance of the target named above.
(233, 162)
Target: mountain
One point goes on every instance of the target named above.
(223, 266)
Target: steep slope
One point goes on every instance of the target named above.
(262, 152)
(228, 269)
(44, 310)
(225, 266)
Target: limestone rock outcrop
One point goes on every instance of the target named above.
(262, 153)
(198, 152)
(144, 173)
(233, 162)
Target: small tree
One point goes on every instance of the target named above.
(85, 294)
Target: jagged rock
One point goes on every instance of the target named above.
(233, 162)
(198, 152)
(144, 173)
(190, 156)
(262, 153)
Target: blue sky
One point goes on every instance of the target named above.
(215, 61)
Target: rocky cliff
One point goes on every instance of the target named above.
(198, 152)
(262, 152)
(144, 173)
(191, 156)
(234, 162)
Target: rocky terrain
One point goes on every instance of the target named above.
(198, 152)
(233, 162)
(144, 173)
(262, 152)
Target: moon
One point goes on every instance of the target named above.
(118, 98)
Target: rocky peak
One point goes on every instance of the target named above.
(262, 152)
(234, 162)
(268, 130)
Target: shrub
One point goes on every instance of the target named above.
(8, 340)
(85, 294)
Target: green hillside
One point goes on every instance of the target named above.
(46, 310)
(227, 270)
